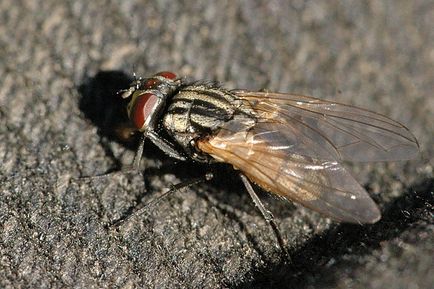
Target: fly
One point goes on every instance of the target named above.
(290, 145)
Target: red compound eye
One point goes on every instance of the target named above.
(143, 107)
(167, 74)
(152, 83)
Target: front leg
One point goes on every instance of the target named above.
(164, 145)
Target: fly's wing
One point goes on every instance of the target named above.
(324, 186)
(327, 130)
(293, 147)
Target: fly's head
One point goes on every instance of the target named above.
(148, 98)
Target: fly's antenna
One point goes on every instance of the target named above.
(135, 85)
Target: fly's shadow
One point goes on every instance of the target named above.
(102, 105)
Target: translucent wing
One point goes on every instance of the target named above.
(327, 130)
(324, 186)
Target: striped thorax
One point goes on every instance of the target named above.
(199, 110)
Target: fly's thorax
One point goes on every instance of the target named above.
(199, 111)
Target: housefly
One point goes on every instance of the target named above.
(290, 145)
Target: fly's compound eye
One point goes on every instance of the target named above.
(142, 109)
(167, 75)
(155, 81)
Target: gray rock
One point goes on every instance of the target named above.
(61, 63)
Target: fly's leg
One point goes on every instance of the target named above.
(268, 216)
(134, 167)
(164, 145)
(161, 143)
(139, 153)
(142, 208)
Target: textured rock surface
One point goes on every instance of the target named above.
(60, 64)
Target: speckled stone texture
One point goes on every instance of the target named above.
(61, 63)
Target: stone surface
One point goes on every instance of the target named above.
(60, 65)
